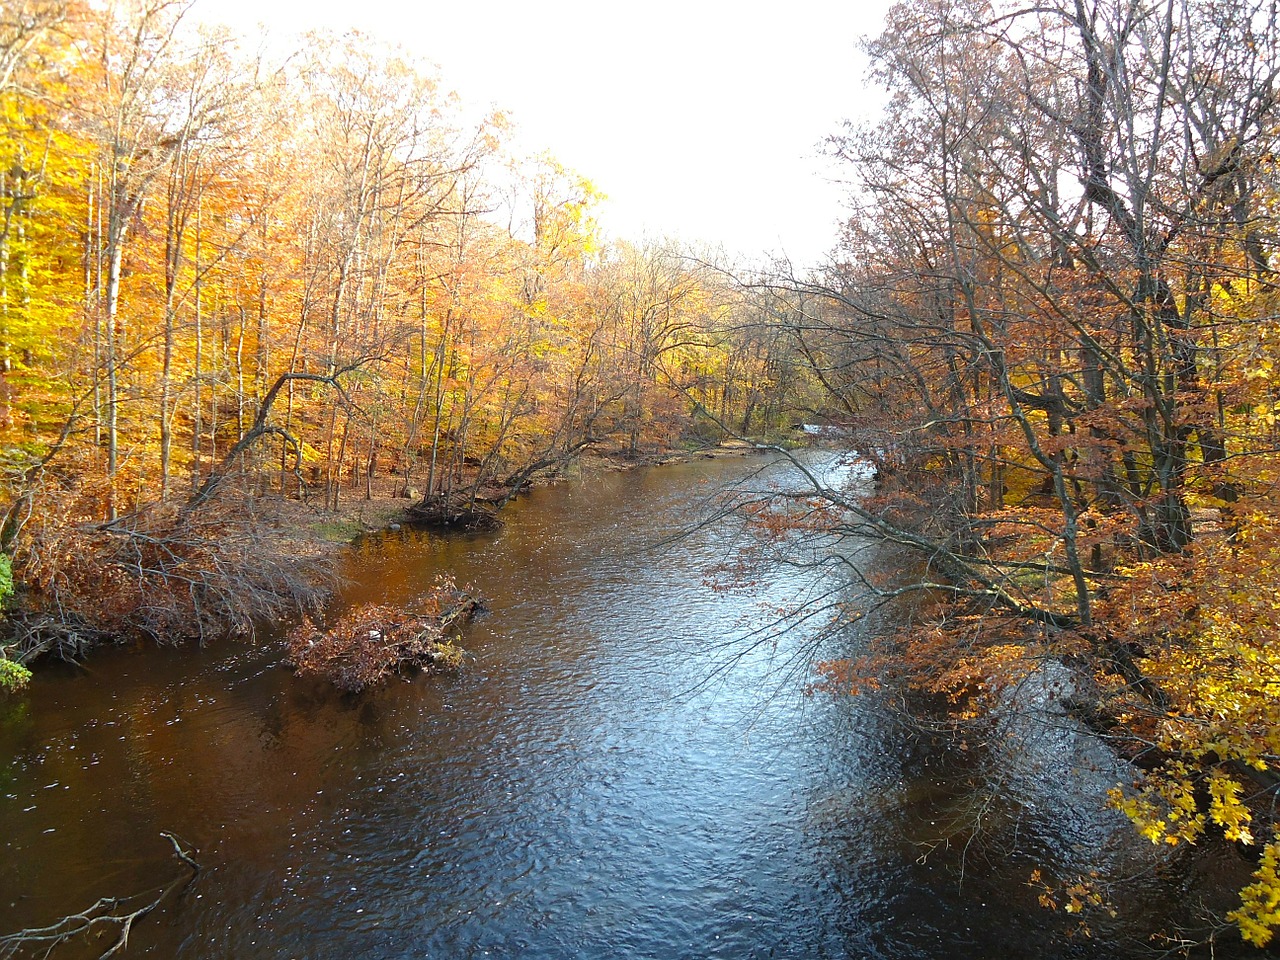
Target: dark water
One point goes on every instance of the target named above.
(617, 773)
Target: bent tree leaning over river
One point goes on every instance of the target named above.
(1053, 330)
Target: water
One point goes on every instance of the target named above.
(615, 773)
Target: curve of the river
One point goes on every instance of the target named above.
(616, 773)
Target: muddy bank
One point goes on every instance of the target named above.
(242, 561)
(310, 529)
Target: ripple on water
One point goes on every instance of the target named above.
(598, 782)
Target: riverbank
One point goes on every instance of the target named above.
(171, 576)
(310, 530)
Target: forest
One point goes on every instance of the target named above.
(226, 283)
(1050, 321)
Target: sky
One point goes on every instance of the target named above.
(700, 120)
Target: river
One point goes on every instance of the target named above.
(617, 772)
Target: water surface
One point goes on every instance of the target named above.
(617, 772)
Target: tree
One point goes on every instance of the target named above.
(1047, 329)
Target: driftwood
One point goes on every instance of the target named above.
(110, 914)
(370, 643)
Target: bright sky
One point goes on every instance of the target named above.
(700, 119)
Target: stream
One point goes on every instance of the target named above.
(629, 765)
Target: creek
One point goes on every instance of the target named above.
(620, 770)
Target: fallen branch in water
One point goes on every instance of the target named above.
(118, 912)
(369, 643)
(454, 512)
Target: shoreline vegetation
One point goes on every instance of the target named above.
(301, 542)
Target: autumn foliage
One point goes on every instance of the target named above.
(1051, 325)
(227, 279)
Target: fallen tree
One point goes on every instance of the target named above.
(371, 642)
(454, 512)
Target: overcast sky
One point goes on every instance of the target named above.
(699, 119)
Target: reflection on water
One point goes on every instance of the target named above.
(594, 784)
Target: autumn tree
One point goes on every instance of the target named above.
(1047, 328)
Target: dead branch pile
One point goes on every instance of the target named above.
(371, 642)
(454, 512)
(162, 573)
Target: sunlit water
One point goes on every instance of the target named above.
(616, 773)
